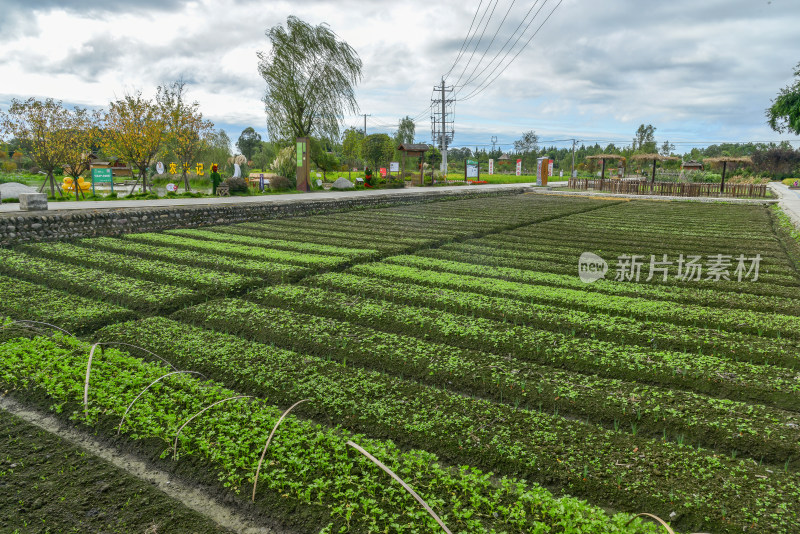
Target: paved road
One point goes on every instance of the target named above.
(789, 201)
(317, 195)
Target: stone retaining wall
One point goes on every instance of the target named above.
(59, 225)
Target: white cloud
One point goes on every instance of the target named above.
(696, 70)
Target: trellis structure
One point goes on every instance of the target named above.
(655, 158)
(605, 157)
(725, 160)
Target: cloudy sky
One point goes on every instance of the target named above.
(698, 70)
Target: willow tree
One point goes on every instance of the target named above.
(310, 77)
(44, 128)
(133, 130)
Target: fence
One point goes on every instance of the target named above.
(677, 189)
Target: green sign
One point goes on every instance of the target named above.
(100, 176)
(301, 147)
(471, 162)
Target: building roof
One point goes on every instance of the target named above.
(411, 147)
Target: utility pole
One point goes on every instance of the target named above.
(443, 130)
(572, 171)
(365, 123)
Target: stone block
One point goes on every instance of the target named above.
(32, 202)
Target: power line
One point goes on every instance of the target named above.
(478, 43)
(461, 50)
(480, 89)
(472, 78)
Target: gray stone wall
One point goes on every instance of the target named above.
(26, 227)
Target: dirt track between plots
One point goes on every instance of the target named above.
(190, 496)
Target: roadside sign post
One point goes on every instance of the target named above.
(102, 176)
(303, 166)
(471, 170)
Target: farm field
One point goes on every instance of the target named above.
(455, 342)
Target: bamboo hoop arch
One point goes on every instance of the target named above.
(269, 439)
(154, 382)
(406, 486)
(175, 445)
(24, 322)
(89, 370)
(658, 519)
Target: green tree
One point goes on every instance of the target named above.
(405, 131)
(249, 141)
(44, 128)
(264, 155)
(310, 78)
(352, 147)
(377, 148)
(134, 130)
(667, 148)
(645, 140)
(784, 113)
(84, 131)
(322, 157)
(527, 147)
(217, 148)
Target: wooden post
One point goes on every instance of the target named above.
(653, 181)
(722, 185)
(603, 173)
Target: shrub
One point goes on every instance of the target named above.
(9, 166)
(791, 181)
(34, 169)
(286, 165)
(279, 183)
(236, 185)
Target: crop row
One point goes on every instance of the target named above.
(544, 235)
(554, 258)
(314, 249)
(619, 470)
(654, 334)
(99, 284)
(702, 373)
(201, 279)
(24, 300)
(758, 431)
(266, 271)
(774, 266)
(254, 235)
(506, 282)
(684, 219)
(248, 249)
(307, 465)
(449, 258)
(568, 269)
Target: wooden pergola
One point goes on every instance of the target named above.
(414, 151)
(605, 157)
(725, 160)
(655, 158)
